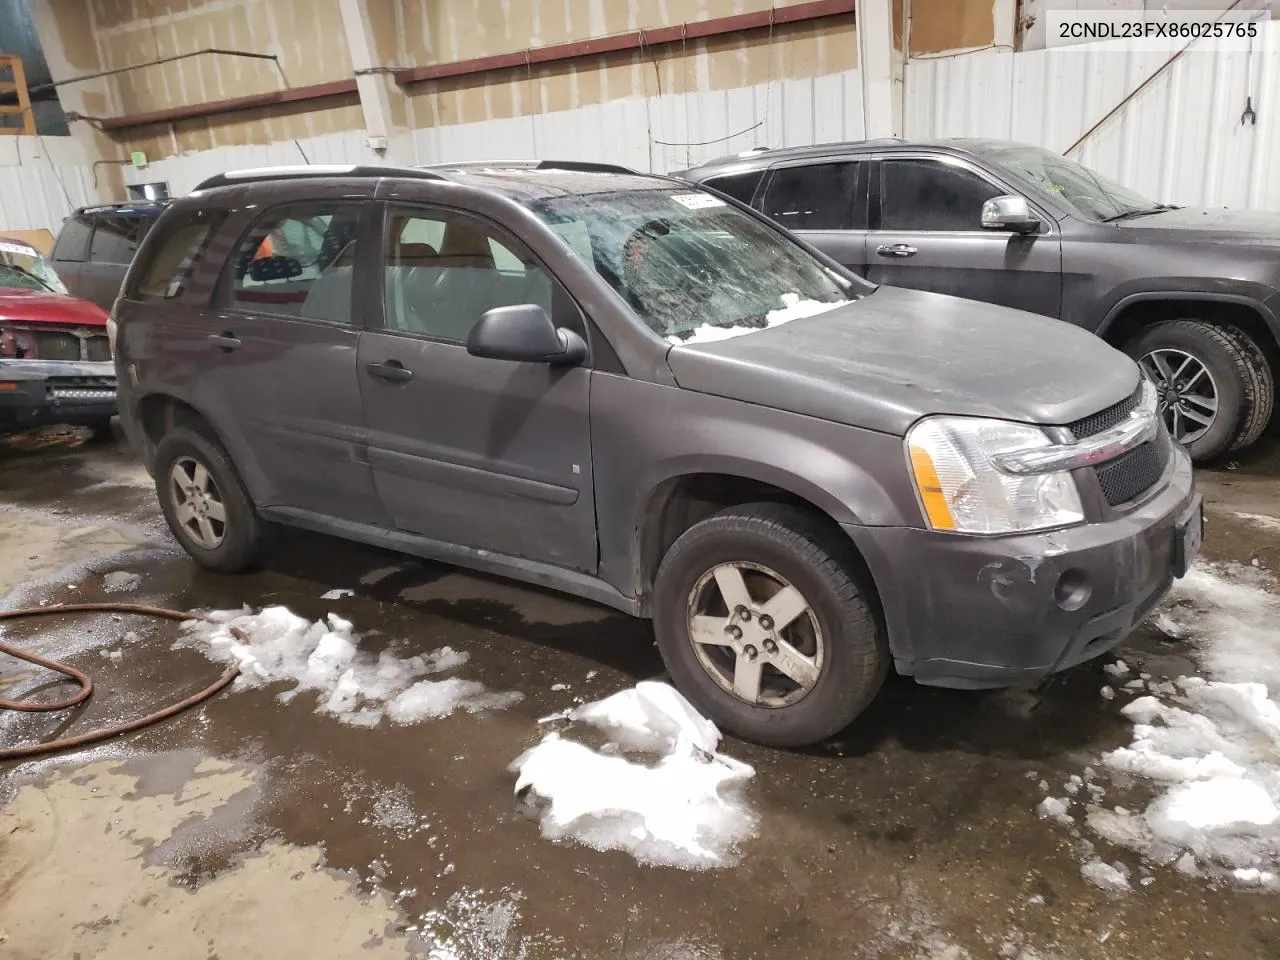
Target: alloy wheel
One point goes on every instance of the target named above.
(1188, 394)
(755, 634)
(197, 503)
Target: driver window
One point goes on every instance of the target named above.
(444, 271)
(928, 195)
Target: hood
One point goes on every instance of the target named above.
(886, 360)
(38, 306)
(1256, 227)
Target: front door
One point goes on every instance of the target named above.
(826, 204)
(283, 346)
(926, 234)
(483, 453)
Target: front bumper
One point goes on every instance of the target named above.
(979, 612)
(35, 393)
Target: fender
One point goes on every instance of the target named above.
(241, 455)
(1253, 303)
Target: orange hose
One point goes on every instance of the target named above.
(86, 684)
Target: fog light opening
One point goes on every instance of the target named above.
(1073, 590)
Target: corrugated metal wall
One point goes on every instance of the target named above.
(42, 179)
(661, 134)
(1180, 140)
(658, 134)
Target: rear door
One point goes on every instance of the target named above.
(482, 453)
(69, 253)
(926, 233)
(826, 204)
(282, 343)
(111, 249)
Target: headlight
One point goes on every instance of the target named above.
(962, 490)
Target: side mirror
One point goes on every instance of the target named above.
(524, 333)
(265, 269)
(1009, 213)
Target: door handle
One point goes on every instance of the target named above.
(226, 341)
(897, 250)
(392, 370)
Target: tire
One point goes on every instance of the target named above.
(1232, 371)
(244, 536)
(1265, 386)
(784, 542)
(100, 431)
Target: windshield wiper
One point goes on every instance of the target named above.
(1130, 214)
(27, 273)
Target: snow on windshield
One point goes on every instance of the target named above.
(693, 267)
(793, 308)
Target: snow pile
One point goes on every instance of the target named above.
(685, 809)
(1209, 745)
(121, 581)
(325, 657)
(793, 308)
(337, 594)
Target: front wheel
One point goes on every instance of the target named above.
(1215, 388)
(764, 623)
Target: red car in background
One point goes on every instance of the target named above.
(55, 358)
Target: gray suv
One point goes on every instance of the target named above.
(635, 391)
(1193, 295)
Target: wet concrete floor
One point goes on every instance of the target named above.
(251, 828)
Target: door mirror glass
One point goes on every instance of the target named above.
(266, 269)
(1009, 213)
(524, 333)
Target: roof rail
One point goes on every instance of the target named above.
(581, 166)
(122, 205)
(475, 164)
(585, 166)
(257, 174)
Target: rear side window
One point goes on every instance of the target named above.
(740, 186)
(172, 257)
(73, 240)
(115, 239)
(297, 261)
(824, 196)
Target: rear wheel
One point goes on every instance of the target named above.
(765, 625)
(1215, 386)
(205, 503)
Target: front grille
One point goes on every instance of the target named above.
(1105, 419)
(99, 349)
(57, 346)
(1131, 475)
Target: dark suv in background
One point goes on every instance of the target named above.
(96, 245)
(635, 391)
(1192, 294)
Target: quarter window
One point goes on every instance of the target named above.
(174, 255)
(298, 261)
(740, 186)
(445, 270)
(73, 239)
(928, 195)
(823, 196)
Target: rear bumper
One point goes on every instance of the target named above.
(988, 612)
(36, 393)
